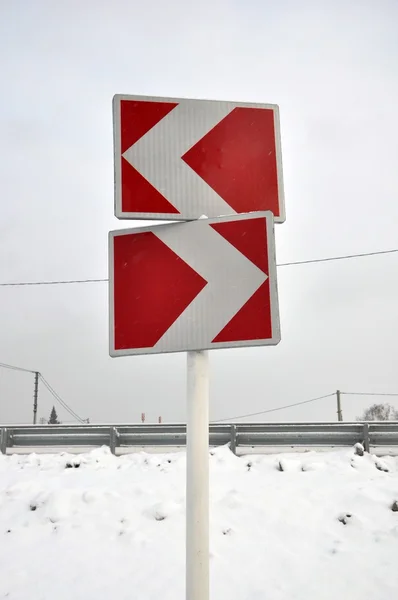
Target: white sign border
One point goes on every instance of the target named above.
(119, 214)
(272, 274)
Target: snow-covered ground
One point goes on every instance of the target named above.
(314, 526)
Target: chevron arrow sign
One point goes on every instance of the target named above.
(179, 159)
(202, 284)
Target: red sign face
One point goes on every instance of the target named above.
(204, 284)
(181, 159)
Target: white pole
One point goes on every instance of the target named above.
(197, 510)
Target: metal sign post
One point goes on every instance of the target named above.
(197, 498)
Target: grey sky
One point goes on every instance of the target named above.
(332, 66)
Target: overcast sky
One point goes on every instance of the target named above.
(331, 65)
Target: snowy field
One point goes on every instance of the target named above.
(313, 526)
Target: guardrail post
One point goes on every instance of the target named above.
(3, 441)
(113, 439)
(366, 438)
(232, 443)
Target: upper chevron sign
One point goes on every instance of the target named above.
(179, 159)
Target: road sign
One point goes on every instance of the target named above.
(179, 159)
(202, 284)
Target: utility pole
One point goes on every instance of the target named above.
(339, 411)
(35, 397)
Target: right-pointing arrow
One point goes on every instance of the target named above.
(231, 277)
(253, 321)
(209, 283)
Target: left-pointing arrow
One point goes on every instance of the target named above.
(157, 157)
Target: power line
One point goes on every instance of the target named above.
(368, 394)
(343, 257)
(61, 282)
(59, 399)
(263, 412)
(13, 368)
(287, 264)
(61, 402)
(48, 386)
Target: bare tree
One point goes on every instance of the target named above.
(379, 412)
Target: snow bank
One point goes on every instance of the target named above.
(305, 527)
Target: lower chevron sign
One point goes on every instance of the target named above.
(198, 285)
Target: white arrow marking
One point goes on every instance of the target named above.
(157, 156)
(232, 280)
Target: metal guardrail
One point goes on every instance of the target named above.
(238, 435)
